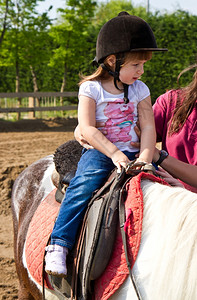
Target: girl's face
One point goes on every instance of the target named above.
(131, 71)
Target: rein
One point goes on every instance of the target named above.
(124, 240)
(132, 172)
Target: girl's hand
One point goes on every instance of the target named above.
(139, 162)
(168, 178)
(120, 160)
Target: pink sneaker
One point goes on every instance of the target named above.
(55, 260)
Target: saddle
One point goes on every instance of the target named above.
(95, 242)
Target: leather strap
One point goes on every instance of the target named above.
(124, 239)
(43, 270)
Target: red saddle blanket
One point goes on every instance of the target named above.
(116, 272)
(38, 234)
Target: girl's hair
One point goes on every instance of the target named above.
(186, 101)
(101, 74)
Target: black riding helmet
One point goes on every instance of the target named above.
(124, 33)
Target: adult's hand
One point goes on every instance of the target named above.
(169, 178)
(138, 132)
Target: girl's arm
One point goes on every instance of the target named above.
(87, 125)
(80, 139)
(148, 132)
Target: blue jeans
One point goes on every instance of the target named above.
(92, 171)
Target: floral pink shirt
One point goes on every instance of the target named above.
(119, 118)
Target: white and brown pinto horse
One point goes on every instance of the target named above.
(167, 260)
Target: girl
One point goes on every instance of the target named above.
(114, 96)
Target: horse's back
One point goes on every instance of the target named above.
(31, 185)
(167, 257)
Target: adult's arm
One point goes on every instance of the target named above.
(178, 169)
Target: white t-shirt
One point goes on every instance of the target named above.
(119, 118)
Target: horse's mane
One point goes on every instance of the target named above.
(66, 157)
(170, 219)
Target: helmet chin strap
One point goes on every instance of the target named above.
(116, 79)
(125, 87)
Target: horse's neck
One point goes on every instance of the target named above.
(168, 243)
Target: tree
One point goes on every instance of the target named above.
(177, 32)
(54, 54)
(3, 18)
(71, 39)
(23, 42)
(112, 8)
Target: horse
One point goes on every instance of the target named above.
(165, 267)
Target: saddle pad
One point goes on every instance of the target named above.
(117, 271)
(38, 234)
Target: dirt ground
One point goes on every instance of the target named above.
(22, 143)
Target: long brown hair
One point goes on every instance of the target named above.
(186, 101)
(101, 74)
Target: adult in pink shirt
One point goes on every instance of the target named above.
(176, 125)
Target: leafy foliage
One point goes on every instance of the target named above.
(55, 53)
(177, 32)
